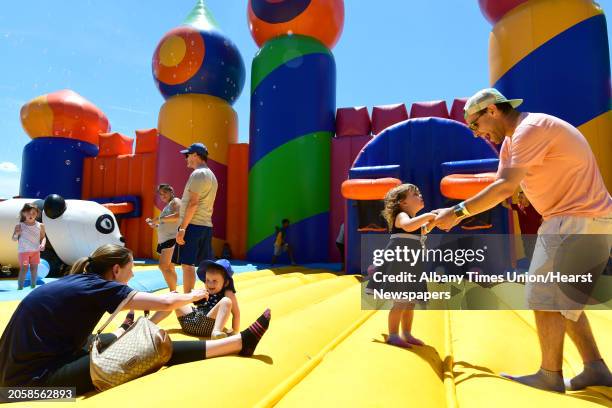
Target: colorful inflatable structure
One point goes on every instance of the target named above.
(289, 157)
(321, 167)
(301, 147)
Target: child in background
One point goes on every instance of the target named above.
(340, 245)
(401, 206)
(30, 237)
(280, 243)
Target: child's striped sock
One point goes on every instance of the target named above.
(252, 335)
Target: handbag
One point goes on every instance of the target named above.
(142, 349)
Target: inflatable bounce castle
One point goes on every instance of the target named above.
(311, 167)
(324, 168)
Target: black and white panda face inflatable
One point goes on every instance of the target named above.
(77, 227)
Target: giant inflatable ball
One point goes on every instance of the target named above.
(75, 228)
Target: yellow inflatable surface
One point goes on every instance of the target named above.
(323, 350)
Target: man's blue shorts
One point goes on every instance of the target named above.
(198, 246)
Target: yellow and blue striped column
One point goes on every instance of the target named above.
(554, 54)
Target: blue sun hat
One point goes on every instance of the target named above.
(222, 264)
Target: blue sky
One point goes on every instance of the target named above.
(397, 51)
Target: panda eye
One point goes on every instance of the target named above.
(105, 224)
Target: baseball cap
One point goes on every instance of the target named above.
(485, 97)
(196, 148)
(224, 264)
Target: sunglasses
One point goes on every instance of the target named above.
(473, 125)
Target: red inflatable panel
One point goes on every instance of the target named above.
(386, 115)
(353, 121)
(495, 10)
(435, 109)
(456, 112)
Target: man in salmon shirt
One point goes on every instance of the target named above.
(554, 165)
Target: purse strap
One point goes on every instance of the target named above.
(117, 310)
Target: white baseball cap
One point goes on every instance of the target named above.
(485, 97)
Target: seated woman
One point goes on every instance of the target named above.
(45, 342)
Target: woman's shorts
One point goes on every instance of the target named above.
(165, 245)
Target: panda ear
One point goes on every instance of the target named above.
(54, 206)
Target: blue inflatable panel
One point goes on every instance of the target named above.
(375, 172)
(418, 147)
(276, 113)
(307, 237)
(54, 165)
(469, 166)
(580, 53)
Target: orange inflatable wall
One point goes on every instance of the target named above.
(237, 197)
(113, 174)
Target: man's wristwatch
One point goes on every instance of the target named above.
(460, 210)
(182, 229)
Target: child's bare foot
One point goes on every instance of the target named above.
(217, 334)
(413, 340)
(396, 340)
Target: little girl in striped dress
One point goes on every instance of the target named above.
(30, 237)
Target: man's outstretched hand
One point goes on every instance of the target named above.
(445, 219)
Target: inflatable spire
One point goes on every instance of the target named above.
(64, 128)
(200, 73)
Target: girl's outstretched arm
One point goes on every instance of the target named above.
(168, 301)
(408, 224)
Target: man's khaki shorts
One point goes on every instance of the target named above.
(575, 246)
